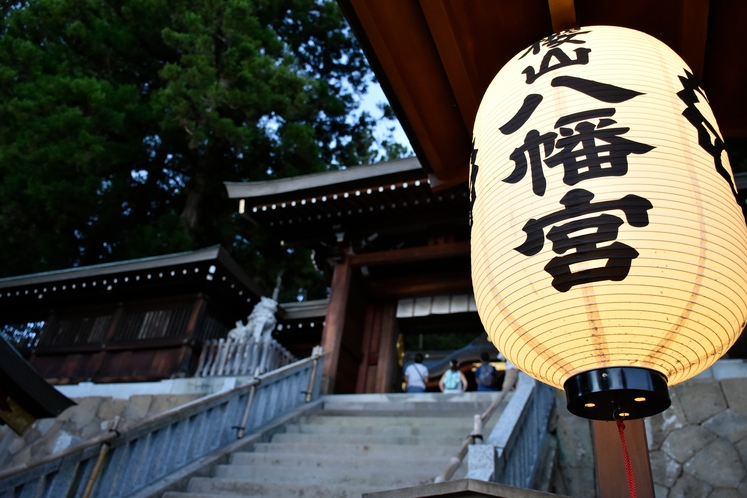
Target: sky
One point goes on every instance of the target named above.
(373, 97)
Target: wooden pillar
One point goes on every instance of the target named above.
(388, 371)
(335, 322)
(612, 479)
(194, 327)
(370, 350)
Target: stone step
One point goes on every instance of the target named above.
(355, 450)
(457, 427)
(418, 403)
(209, 487)
(402, 421)
(368, 439)
(322, 461)
(408, 474)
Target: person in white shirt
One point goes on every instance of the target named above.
(416, 375)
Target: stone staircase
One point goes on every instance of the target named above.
(355, 444)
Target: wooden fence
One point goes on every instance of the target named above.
(226, 357)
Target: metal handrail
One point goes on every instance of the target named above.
(456, 460)
(511, 454)
(281, 390)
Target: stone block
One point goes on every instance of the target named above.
(163, 402)
(16, 445)
(44, 425)
(700, 400)
(718, 464)
(67, 414)
(741, 448)
(91, 430)
(23, 456)
(735, 391)
(683, 443)
(664, 469)
(86, 410)
(688, 486)
(654, 431)
(110, 408)
(728, 424)
(61, 440)
(137, 407)
(724, 493)
(660, 491)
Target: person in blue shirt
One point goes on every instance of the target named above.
(486, 374)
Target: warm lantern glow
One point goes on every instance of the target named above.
(605, 227)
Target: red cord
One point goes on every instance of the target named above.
(628, 467)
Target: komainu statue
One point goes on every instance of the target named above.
(260, 323)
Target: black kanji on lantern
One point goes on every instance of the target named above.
(578, 204)
(472, 179)
(555, 40)
(556, 59)
(595, 150)
(708, 137)
(588, 160)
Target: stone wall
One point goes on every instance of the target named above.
(91, 417)
(698, 447)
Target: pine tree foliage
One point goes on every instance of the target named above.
(121, 119)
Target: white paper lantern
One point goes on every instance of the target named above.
(607, 244)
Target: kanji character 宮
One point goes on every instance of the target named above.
(586, 247)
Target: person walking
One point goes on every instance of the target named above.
(486, 374)
(453, 380)
(416, 375)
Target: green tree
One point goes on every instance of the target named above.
(121, 119)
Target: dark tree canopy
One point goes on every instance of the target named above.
(121, 119)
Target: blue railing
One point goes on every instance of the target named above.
(512, 453)
(118, 465)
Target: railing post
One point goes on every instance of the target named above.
(242, 427)
(316, 353)
(476, 429)
(103, 451)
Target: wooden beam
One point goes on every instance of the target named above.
(427, 285)
(400, 39)
(610, 466)
(462, 77)
(335, 322)
(563, 14)
(694, 34)
(437, 251)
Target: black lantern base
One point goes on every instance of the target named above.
(617, 392)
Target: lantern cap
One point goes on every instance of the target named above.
(617, 392)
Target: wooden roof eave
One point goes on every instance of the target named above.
(327, 182)
(435, 58)
(216, 254)
(24, 385)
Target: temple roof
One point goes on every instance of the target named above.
(356, 204)
(435, 59)
(209, 270)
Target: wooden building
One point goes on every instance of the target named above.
(387, 236)
(400, 230)
(135, 320)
